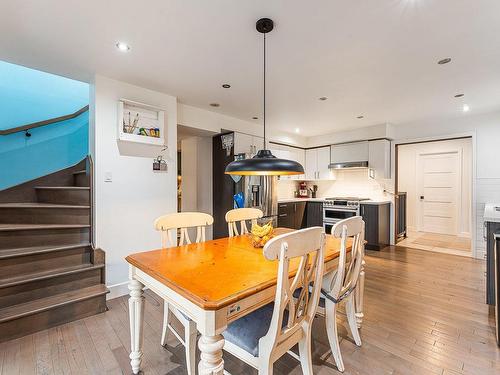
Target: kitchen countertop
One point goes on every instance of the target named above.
(291, 200)
(492, 212)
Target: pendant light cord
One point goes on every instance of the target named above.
(265, 91)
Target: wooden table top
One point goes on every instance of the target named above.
(217, 273)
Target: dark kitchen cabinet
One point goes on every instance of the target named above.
(314, 215)
(491, 228)
(292, 215)
(377, 225)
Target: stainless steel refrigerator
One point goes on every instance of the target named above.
(258, 191)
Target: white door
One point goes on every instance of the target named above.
(438, 177)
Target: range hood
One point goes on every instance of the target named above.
(349, 165)
(349, 155)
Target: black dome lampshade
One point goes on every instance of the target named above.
(264, 163)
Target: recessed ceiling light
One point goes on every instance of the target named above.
(466, 108)
(255, 118)
(122, 46)
(459, 95)
(360, 117)
(323, 98)
(444, 61)
(226, 85)
(214, 105)
(297, 130)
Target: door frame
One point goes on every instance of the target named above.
(472, 136)
(458, 181)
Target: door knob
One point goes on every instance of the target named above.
(422, 197)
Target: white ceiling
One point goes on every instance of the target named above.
(371, 58)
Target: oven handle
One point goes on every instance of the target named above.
(340, 209)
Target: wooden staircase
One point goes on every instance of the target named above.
(49, 271)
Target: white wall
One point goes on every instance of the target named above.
(360, 134)
(407, 178)
(126, 207)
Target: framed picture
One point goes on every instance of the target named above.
(142, 123)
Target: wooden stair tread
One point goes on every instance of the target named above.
(40, 205)
(63, 187)
(47, 303)
(80, 172)
(12, 227)
(37, 276)
(24, 251)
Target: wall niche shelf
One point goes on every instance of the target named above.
(141, 123)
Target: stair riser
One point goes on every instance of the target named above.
(63, 196)
(44, 288)
(27, 238)
(51, 318)
(45, 215)
(44, 262)
(82, 179)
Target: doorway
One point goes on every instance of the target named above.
(437, 179)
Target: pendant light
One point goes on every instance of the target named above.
(264, 163)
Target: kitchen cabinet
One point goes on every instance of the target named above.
(377, 224)
(314, 214)
(317, 162)
(379, 158)
(292, 215)
(247, 144)
(490, 228)
(291, 153)
(349, 152)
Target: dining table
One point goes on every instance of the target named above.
(213, 283)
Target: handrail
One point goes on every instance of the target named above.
(44, 122)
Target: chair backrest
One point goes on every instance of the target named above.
(241, 215)
(304, 250)
(346, 278)
(182, 221)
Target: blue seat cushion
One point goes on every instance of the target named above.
(247, 331)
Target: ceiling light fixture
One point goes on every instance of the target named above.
(264, 163)
(360, 117)
(124, 47)
(214, 105)
(466, 108)
(323, 98)
(459, 95)
(444, 61)
(297, 130)
(226, 85)
(255, 118)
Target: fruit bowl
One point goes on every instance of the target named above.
(259, 235)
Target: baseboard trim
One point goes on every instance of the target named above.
(117, 290)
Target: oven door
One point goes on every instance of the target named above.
(327, 226)
(337, 214)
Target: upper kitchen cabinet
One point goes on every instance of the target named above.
(247, 144)
(316, 165)
(379, 158)
(347, 155)
(290, 153)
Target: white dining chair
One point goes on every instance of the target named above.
(241, 215)
(266, 334)
(341, 284)
(180, 222)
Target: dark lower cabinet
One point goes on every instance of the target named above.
(292, 215)
(491, 229)
(314, 215)
(377, 225)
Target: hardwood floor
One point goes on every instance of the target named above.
(424, 314)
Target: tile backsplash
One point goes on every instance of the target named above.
(353, 182)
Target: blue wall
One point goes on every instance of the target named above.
(28, 96)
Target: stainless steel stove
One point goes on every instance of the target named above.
(339, 208)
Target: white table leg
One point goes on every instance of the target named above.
(211, 362)
(136, 313)
(360, 290)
